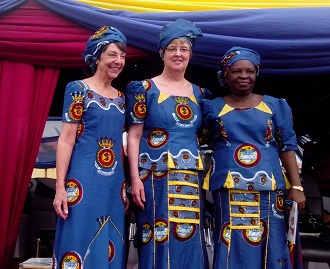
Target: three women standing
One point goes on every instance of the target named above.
(251, 134)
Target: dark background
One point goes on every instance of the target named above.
(308, 96)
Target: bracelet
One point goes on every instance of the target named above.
(299, 188)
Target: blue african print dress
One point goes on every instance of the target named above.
(170, 229)
(247, 183)
(93, 235)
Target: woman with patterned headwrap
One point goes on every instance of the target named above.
(250, 134)
(164, 115)
(90, 187)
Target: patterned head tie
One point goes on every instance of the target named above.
(103, 36)
(180, 28)
(233, 55)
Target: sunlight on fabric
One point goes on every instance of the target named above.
(177, 6)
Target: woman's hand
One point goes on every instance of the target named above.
(61, 203)
(138, 193)
(297, 196)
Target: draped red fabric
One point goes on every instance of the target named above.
(26, 96)
(34, 44)
(32, 34)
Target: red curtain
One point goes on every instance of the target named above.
(32, 34)
(34, 44)
(26, 96)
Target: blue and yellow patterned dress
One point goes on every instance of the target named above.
(170, 229)
(247, 183)
(93, 235)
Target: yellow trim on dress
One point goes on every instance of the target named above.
(193, 99)
(162, 97)
(225, 110)
(170, 163)
(185, 172)
(273, 182)
(286, 180)
(206, 181)
(263, 107)
(200, 162)
(244, 227)
(243, 191)
(240, 215)
(229, 184)
(184, 208)
(177, 220)
(182, 183)
(183, 196)
(245, 203)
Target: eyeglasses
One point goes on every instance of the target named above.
(182, 50)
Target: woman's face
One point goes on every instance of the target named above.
(177, 55)
(112, 61)
(241, 77)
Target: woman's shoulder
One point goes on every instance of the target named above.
(76, 83)
(202, 91)
(219, 100)
(214, 105)
(139, 85)
(277, 105)
(268, 99)
(76, 86)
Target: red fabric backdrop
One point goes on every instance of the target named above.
(32, 34)
(26, 95)
(34, 44)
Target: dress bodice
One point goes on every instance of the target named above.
(247, 143)
(171, 123)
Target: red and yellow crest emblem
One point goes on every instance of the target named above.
(77, 106)
(139, 107)
(182, 109)
(105, 156)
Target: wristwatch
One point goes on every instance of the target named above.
(299, 188)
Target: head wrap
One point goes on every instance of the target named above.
(103, 36)
(178, 29)
(233, 55)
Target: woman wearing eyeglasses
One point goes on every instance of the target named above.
(164, 116)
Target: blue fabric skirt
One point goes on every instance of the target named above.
(170, 230)
(250, 230)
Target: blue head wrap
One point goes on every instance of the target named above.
(178, 29)
(103, 36)
(233, 55)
